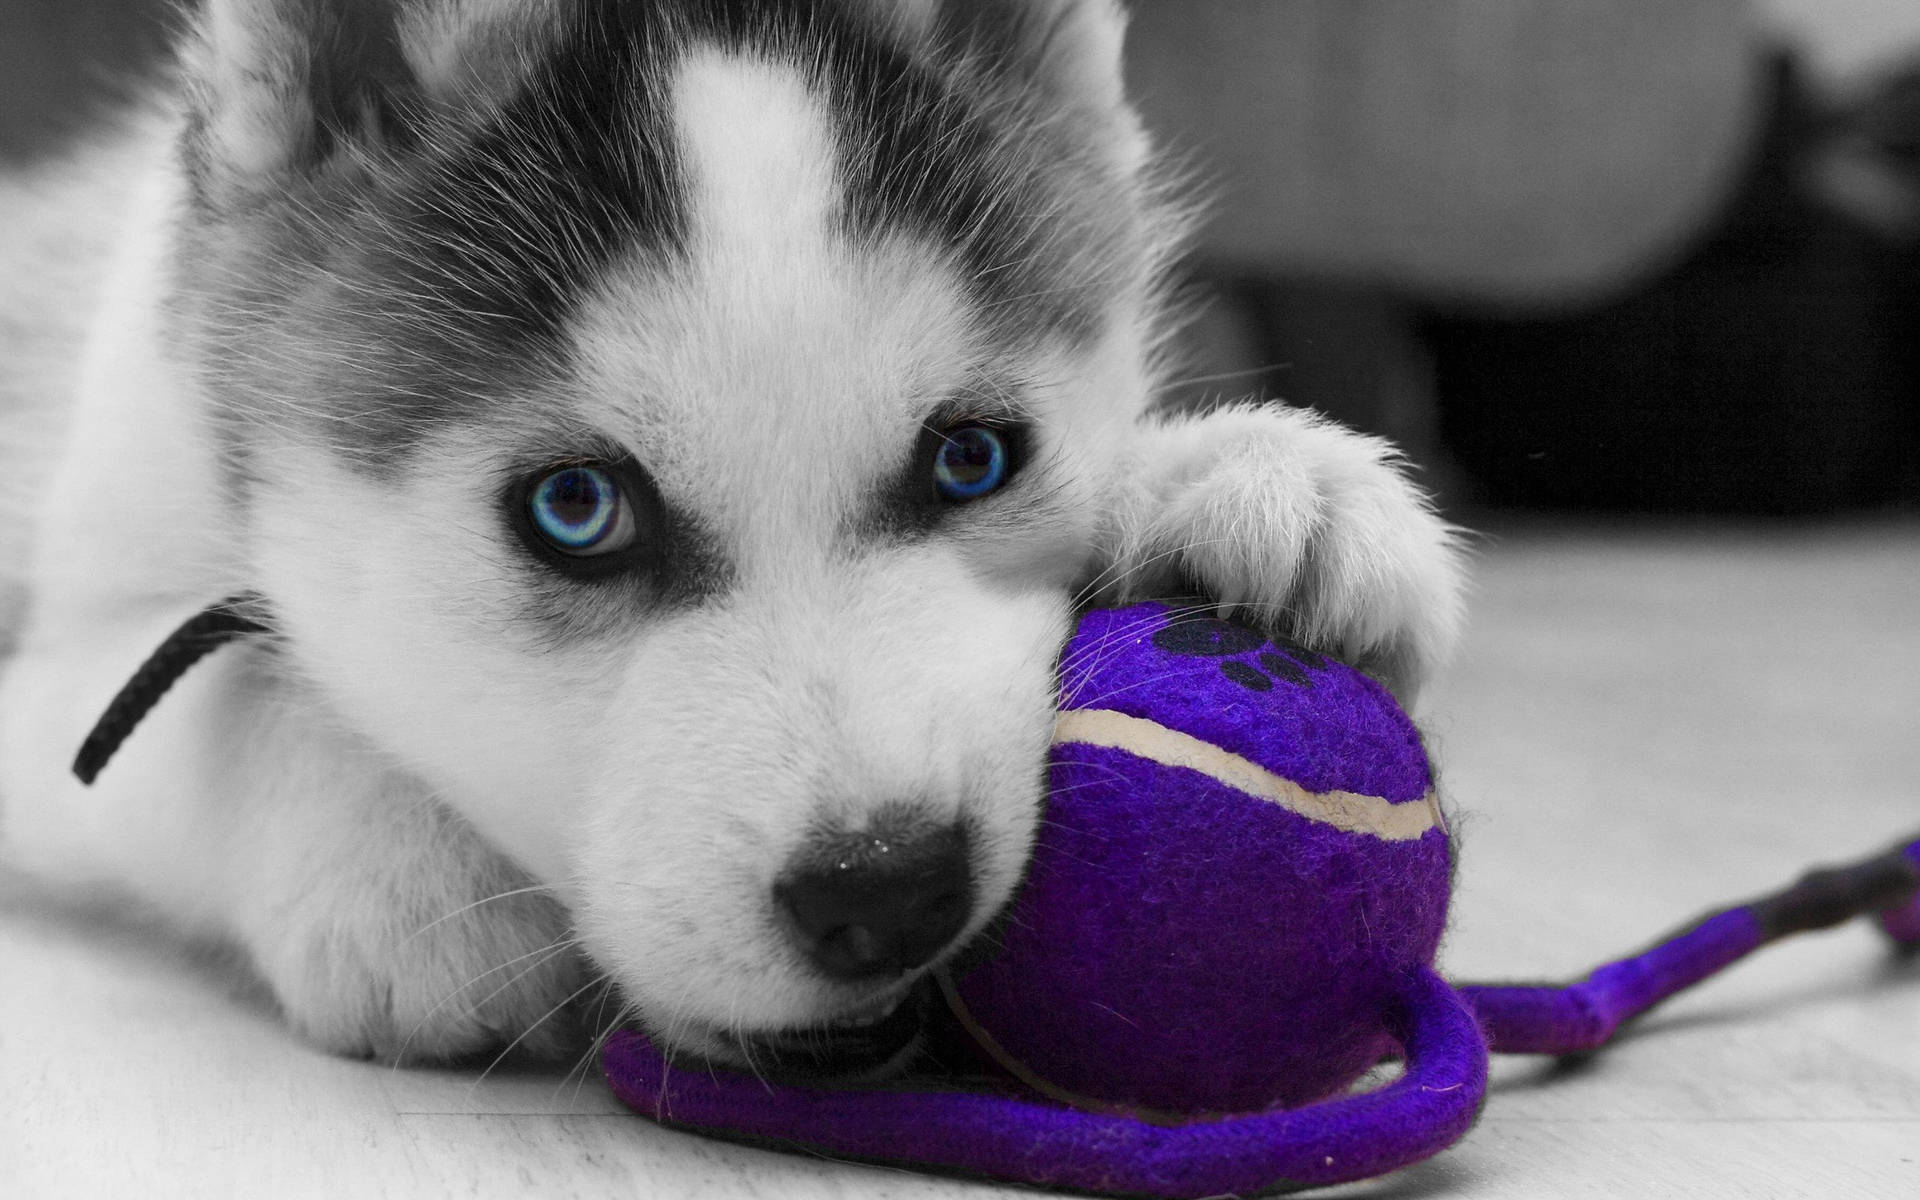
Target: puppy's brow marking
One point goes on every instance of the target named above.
(759, 148)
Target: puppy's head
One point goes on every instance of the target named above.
(676, 431)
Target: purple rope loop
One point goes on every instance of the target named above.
(1021, 1140)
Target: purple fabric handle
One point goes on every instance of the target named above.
(1584, 1015)
(1002, 1137)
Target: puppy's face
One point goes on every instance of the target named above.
(683, 454)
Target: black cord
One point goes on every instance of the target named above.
(211, 629)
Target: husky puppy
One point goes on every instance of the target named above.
(668, 441)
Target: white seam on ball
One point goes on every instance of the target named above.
(1349, 811)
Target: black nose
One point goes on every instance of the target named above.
(878, 903)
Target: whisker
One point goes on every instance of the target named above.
(530, 889)
(1109, 581)
(583, 1065)
(621, 1016)
(545, 954)
(1261, 371)
(524, 1034)
(1080, 670)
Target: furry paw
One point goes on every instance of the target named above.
(1300, 525)
(416, 943)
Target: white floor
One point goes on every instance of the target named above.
(1641, 727)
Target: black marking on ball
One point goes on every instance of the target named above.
(1246, 676)
(1283, 668)
(1300, 654)
(1213, 637)
(1207, 637)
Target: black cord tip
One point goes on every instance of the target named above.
(206, 632)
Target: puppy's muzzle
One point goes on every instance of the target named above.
(862, 907)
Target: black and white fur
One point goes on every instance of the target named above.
(323, 307)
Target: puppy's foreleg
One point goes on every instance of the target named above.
(1298, 523)
(239, 811)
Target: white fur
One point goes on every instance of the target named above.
(407, 808)
(1297, 522)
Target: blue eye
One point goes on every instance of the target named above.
(581, 511)
(970, 461)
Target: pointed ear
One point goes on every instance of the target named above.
(1068, 50)
(280, 88)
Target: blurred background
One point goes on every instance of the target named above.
(1595, 255)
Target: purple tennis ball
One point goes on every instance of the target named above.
(1241, 860)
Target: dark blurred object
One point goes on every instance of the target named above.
(1776, 369)
(1889, 117)
(65, 62)
(1346, 348)
(1364, 159)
